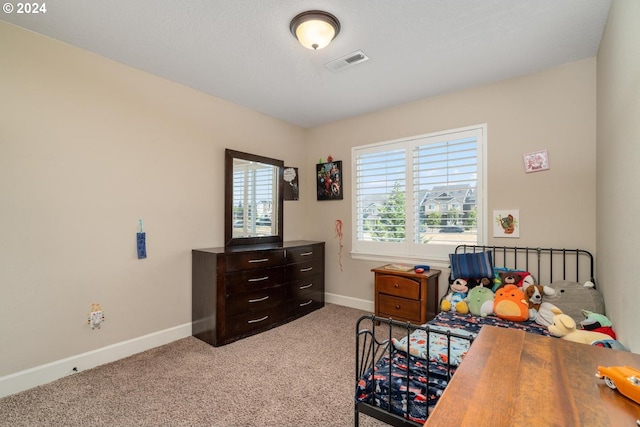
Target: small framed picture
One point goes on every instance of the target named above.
(506, 223)
(329, 180)
(290, 176)
(536, 162)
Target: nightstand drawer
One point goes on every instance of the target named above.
(398, 308)
(398, 286)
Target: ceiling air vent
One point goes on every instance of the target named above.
(347, 61)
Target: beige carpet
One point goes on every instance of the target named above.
(299, 374)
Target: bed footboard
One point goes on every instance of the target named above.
(394, 387)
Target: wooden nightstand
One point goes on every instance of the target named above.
(406, 295)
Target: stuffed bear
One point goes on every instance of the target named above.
(564, 327)
(510, 304)
(454, 300)
(509, 278)
(480, 301)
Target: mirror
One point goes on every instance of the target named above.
(253, 199)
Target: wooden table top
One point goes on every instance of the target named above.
(513, 378)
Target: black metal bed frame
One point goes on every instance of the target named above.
(540, 262)
(372, 345)
(545, 264)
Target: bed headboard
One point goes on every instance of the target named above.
(546, 264)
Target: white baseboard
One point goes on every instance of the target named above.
(23, 380)
(43, 374)
(360, 304)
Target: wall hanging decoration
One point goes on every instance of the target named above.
(506, 223)
(291, 189)
(339, 236)
(536, 162)
(329, 180)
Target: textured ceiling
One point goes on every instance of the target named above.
(242, 50)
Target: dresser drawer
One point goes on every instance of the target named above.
(251, 280)
(255, 301)
(301, 287)
(398, 308)
(249, 323)
(305, 269)
(305, 302)
(398, 286)
(304, 253)
(255, 260)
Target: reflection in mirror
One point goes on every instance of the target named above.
(253, 211)
(255, 199)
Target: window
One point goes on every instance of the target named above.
(419, 197)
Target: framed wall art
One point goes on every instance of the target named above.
(291, 190)
(506, 223)
(329, 180)
(536, 161)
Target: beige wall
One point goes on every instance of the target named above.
(88, 146)
(553, 110)
(617, 170)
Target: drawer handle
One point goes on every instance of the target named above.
(396, 286)
(303, 270)
(259, 279)
(306, 286)
(253, 261)
(258, 320)
(259, 299)
(397, 307)
(306, 253)
(306, 303)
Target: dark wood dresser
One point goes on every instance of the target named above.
(243, 290)
(513, 378)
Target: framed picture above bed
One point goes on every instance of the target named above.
(506, 223)
(535, 162)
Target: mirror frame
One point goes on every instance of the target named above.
(230, 155)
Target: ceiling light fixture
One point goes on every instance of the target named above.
(315, 29)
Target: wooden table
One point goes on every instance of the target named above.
(513, 378)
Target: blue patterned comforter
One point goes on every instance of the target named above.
(428, 371)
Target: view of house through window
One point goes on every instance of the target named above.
(419, 196)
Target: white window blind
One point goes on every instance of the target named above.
(419, 197)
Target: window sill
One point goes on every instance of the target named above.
(435, 262)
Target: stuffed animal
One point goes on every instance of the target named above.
(539, 311)
(510, 304)
(454, 300)
(480, 301)
(598, 323)
(573, 297)
(505, 276)
(509, 278)
(534, 294)
(564, 327)
(483, 281)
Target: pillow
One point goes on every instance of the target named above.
(573, 297)
(472, 265)
(506, 276)
(436, 349)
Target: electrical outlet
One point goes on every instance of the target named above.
(96, 318)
